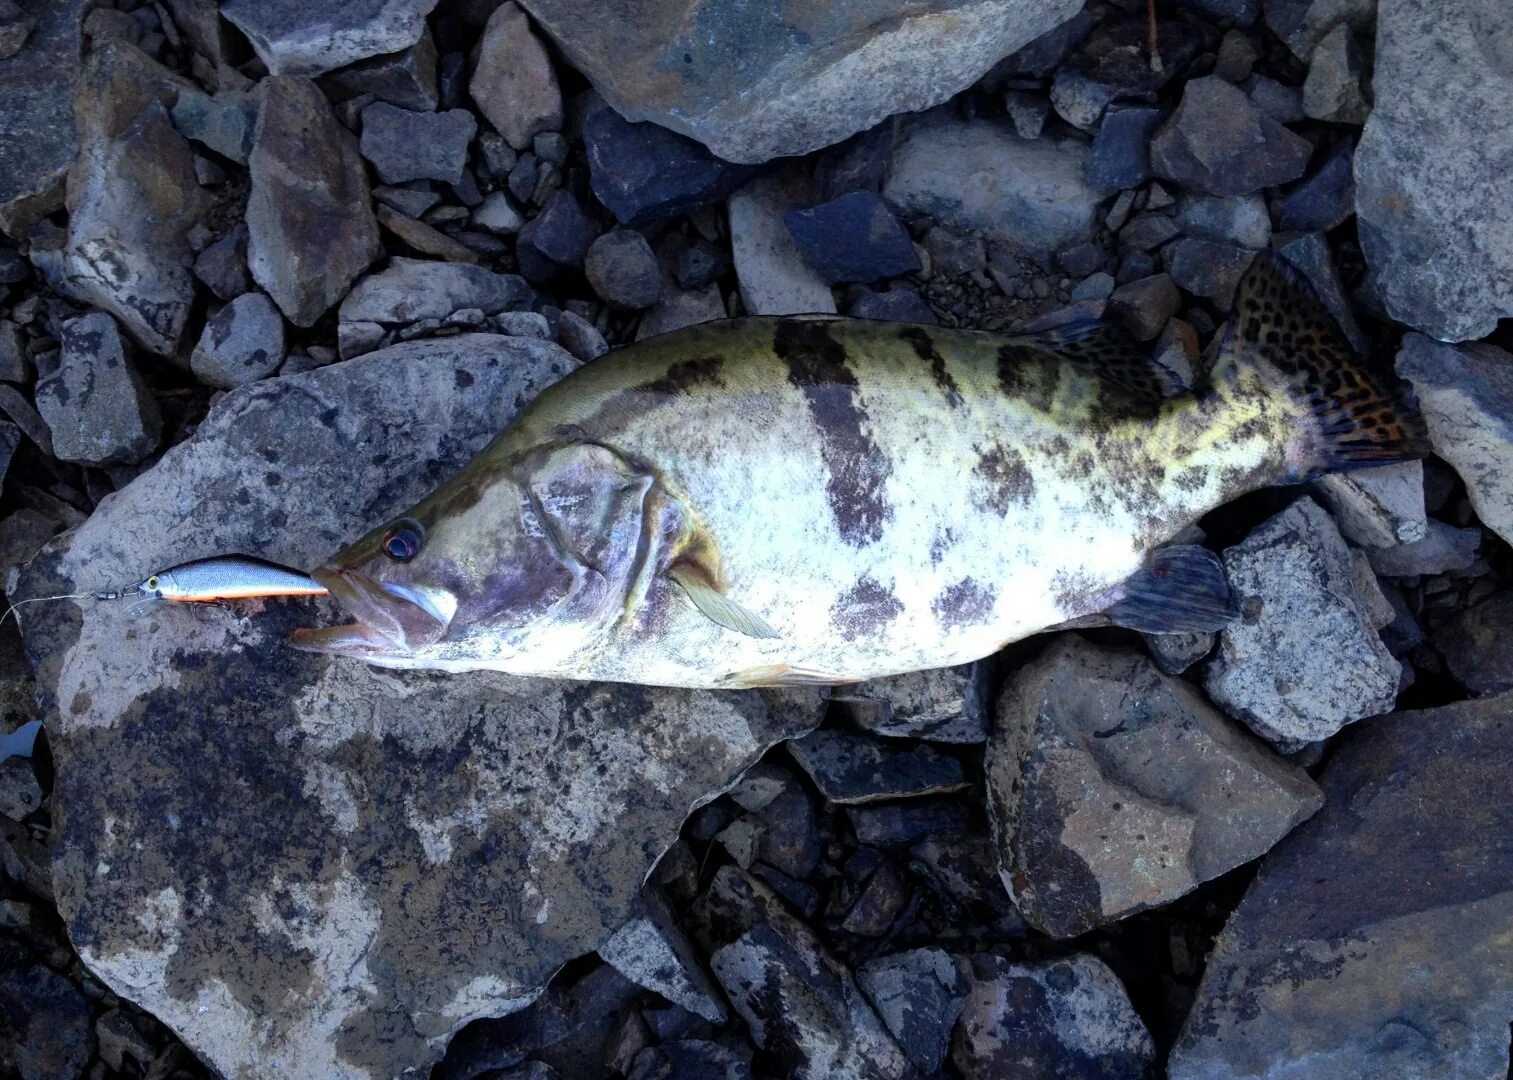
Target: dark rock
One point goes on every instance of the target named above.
(1332, 92)
(787, 836)
(25, 416)
(954, 254)
(15, 27)
(1302, 24)
(405, 145)
(1082, 260)
(409, 290)
(774, 278)
(1237, 55)
(1175, 653)
(854, 238)
(651, 951)
(244, 342)
(644, 172)
(96, 406)
(1309, 254)
(1442, 549)
(858, 164)
(1028, 111)
(224, 123)
(292, 37)
(878, 905)
(14, 366)
(1050, 1020)
(406, 78)
(918, 995)
(1394, 961)
(941, 704)
(1281, 102)
(1243, 220)
(580, 337)
(514, 83)
(1326, 197)
(553, 244)
(503, 1042)
(679, 309)
(1042, 56)
(1148, 230)
(1208, 268)
(311, 229)
(889, 825)
(689, 1059)
(1219, 143)
(13, 267)
(120, 1040)
(622, 268)
(44, 1025)
(423, 238)
(1113, 788)
(1121, 150)
(222, 266)
(1477, 646)
(698, 264)
(854, 767)
(414, 199)
(37, 136)
(1146, 305)
(899, 304)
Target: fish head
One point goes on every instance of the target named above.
(512, 568)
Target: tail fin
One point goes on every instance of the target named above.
(1348, 416)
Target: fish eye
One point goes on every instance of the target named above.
(402, 542)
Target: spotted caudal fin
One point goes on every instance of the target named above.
(1345, 415)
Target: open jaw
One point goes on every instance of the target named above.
(389, 619)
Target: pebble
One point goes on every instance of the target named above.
(853, 238)
(679, 308)
(222, 266)
(1028, 112)
(1478, 645)
(1442, 549)
(223, 122)
(899, 303)
(531, 324)
(1208, 268)
(622, 268)
(1243, 220)
(853, 767)
(49, 1019)
(1325, 198)
(1381, 507)
(890, 825)
(1310, 254)
(1237, 56)
(698, 263)
(652, 951)
(95, 404)
(292, 39)
(514, 83)
(1078, 99)
(1281, 102)
(580, 337)
(423, 238)
(242, 343)
(408, 290)
(918, 994)
(1148, 230)
(774, 277)
(1120, 157)
(14, 366)
(406, 78)
(412, 200)
(553, 244)
(1146, 305)
(1219, 143)
(498, 215)
(1332, 91)
(405, 145)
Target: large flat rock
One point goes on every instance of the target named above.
(311, 867)
(37, 137)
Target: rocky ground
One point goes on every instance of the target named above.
(270, 269)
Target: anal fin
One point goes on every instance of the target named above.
(1182, 591)
(784, 675)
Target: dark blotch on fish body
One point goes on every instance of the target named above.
(865, 609)
(685, 375)
(1005, 480)
(925, 349)
(963, 604)
(1024, 374)
(858, 470)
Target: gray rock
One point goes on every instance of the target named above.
(622, 268)
(1302, 24)
(408, 290)
(223, 122)
(15, 27)
(1478, 647)
(44, 1024)
(898, 304)
(979, 176)
(1305, 660)
(1113, 788)
(37, 136)
(774, 278)
(498, 215)
(1433, 158)
(1146, 305)
(222, 266)
(758, 83)
(1219, 143)
(1079, 99)
(1310, 255)
(947, 705)
(918, 994)
(413, 200)
(292, 37)
(1466, 394)
(244, 342)
(1028, 112)
(1175, 653)
(1208, 268)
(651, 951)
(1120, 158)
(1148, 231)
(1237, 55)
(120, 1041)
(1377, 508)
(802, 1007)
(853, 238)
(1281, 102)
(514, 83)
(405, 145)
(423, 238)
(680, 308)
(1374, 942)
(442, 844)
(1442, 549)
(530, 324)
(25, 416)
(14, 366)
(1326, 197)
(580, 337)
(1050, 1019)
(855, 767)
(553, 244)
(96, 406)
(1243, 220)
(310, 223)
(406, 78)
(1332, 90)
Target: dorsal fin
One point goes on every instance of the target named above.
(1106, 353)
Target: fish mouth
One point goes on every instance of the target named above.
(389, 619)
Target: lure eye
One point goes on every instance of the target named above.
(402, 542)
(152, 583)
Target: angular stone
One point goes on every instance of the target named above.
(1466, 394)
(406, 78)
(1433, 158)
(44, 1024)
(680, 308)
(853, 238)
(979, 176)
(898, 304)
(96, 406)
(1243, 220)
(1219, 143)
(1302, 24)
(224, 122)
(1477, 645)
(1051, 1019)
(948, 705)
(695, 1059)
(889, 825)
(222, 266)
(854, 767)
(442, 845)
(580, 337)
(651, 951)
(1324, 198)
(244, 342)
(405, 145)
(1332, 91)
(1146, 305)
(755, 83)
(918, 994)
(1121, 157)
(1113, 788)
(310, 223)
(1305, 660)
(1442, 549)
(1208, 268)
(773, 276)
(1309, 255)
(408, 290)
(1374, 940)
(1175, 653)
(294, 37)
(622, 268)
(514, 84)
(498, 215)
(423, 238)
(14, 366)
(1377, 508)
(37, 136)
(554, 242)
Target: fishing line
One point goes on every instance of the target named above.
(61, 596)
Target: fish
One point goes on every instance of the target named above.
(818, 501)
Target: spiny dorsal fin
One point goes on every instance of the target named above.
(716, 606)
(1106, 352)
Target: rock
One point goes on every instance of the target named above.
(44, 1025)
(853, 238)
(899, 304)
(1395, 961)
(1028, 112)
(756, 84)
(15, 27)
(1047, 52)
(553, 244)
(244, 342)
(414, 200)
(498, 215)
(1466, 394)
(37, 136)
(14, 366)
(405, 145)
(622, 268)
(96, 406)
(514, 83)
(1175, 653)
(1237, 56)
(1208, 268)
(310, 223)
(947, 705)
(651, 951)
(802, 1007)
(292, 37)
(699, 263)
(1477, 646)
(580, 337)
(14, 404)
(1430, 162)
(854, 767)
(680, 308)
(890, 825)
(1302, 24)
(1332, 90)
(424, 239)
(1304, 661)
(1078, 99)
(1377, 508)
(979, 176)
(120, 1041)
(774, 278)
(1146, 305)
(1048, 1020)
(1244, 220)
(1121, 158)
(1309, 254)
(1219, 143)
(1326, 197)
(1442, 549)
(1113, 788)
(224, 122)
(522, 324)
(409, 290)
(222, 266)
(442, 844)
(1148, 231)
(406, 78)
(1281, 102)
(918, 994)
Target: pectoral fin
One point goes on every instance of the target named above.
(1182, 591)
(716, 606)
